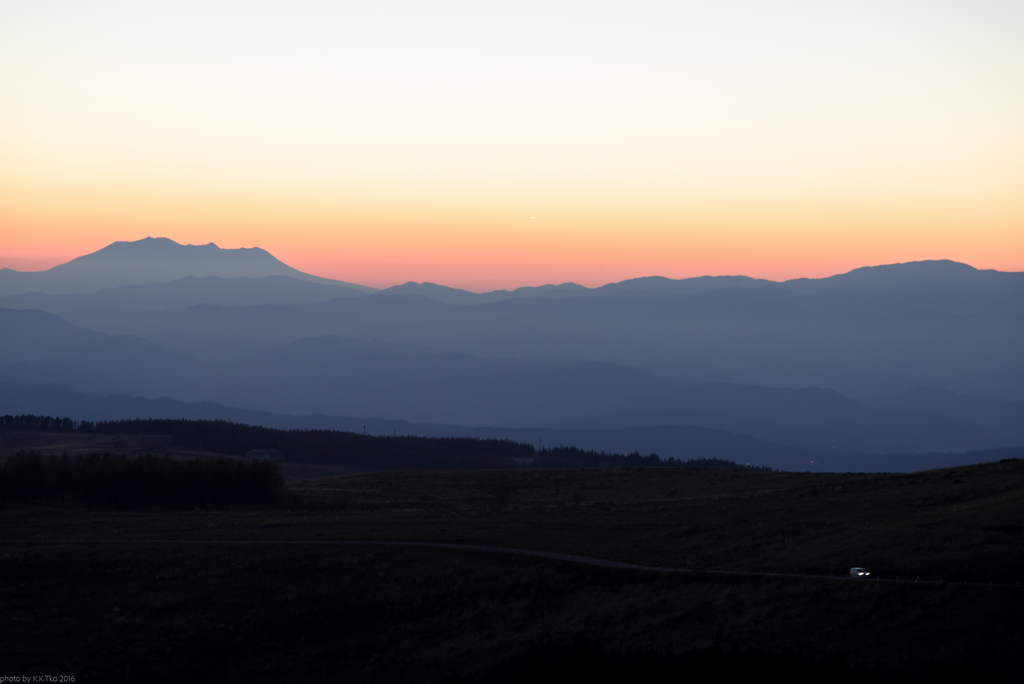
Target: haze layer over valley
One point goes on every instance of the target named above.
(916, 357)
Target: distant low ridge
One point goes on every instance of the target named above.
(162, 260)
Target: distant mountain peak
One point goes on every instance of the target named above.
(154, 260)
(924, 266)
(161, 246)
(943, 273)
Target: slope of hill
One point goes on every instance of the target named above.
(184, 293)
(1000, 416)
(342, 376)
(43, 347)
(937, 273)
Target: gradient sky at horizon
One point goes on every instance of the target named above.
(485, 145)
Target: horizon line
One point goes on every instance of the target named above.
(550, 284)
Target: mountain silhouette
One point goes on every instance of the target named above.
(162, 260)
(935, 273)
(153, 260)
(765, 360)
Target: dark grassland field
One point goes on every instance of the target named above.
(137, 611)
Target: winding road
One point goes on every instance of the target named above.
(549, 555)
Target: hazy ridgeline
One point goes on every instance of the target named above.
(118, 482)
(911, 359)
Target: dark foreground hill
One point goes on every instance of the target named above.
(237, 595)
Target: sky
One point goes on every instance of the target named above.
(493, 145)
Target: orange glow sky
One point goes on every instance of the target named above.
(494, 147)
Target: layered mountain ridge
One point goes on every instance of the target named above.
(161, 260)
(930, 350)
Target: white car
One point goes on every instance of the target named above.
(859, 572)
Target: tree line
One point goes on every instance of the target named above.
(337, 448)
(42, 423)
(573, 457)
(111, 481)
